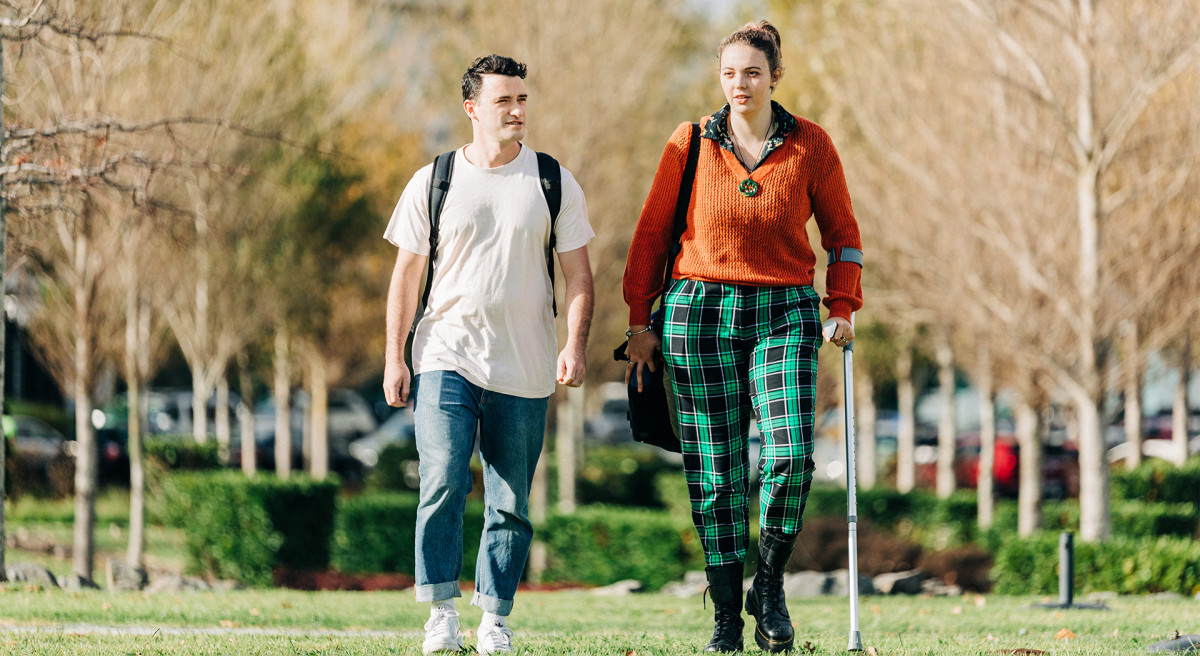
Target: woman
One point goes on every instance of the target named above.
(742, 323)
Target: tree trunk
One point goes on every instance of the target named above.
(1094, 503)
(283, 408)
(222, 417)
(1094, 517)
(947, 439)
(985, 481)
(906, 431)
(318, 392)
(567, 441)
(866, 470)
(83, 548)
(246, 418)
(1179, 409)
(199, 405)
(1029, 494)
(1133, 397)
(3, 325)
(133, 382)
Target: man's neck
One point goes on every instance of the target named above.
(490, 154)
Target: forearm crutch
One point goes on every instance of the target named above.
(855, 642)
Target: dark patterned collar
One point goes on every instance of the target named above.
(782, 125)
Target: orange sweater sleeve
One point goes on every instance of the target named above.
(647, 260)
(835, 217)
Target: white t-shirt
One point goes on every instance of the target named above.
(489, 316)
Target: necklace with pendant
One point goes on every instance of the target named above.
(750, 187)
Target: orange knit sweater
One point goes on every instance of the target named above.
(759, 240)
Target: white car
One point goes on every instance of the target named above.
(396, 429)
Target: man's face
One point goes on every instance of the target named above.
(499, 110)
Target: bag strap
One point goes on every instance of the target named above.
(439, 184)
(681, 205)
(550, 180)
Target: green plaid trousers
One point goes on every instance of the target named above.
(735, 351)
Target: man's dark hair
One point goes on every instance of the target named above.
(472, 80)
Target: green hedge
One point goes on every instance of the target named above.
(623, 475)
(603, 544)
(1130, 519)
(377, 533)
(182, 452)
(1123, 565)
(242, 528)
(1158, 480)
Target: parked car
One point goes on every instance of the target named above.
(398, 429)
(349, 417)
(1060, 466)
(35, 440)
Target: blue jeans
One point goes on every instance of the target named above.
(448, 410)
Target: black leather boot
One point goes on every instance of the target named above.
(765, 600)
(725, 589)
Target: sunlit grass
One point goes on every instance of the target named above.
(572, 622)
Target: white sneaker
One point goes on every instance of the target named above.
(494, 638)
(441, 632)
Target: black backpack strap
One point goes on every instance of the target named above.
(550, 180)
(439, 183)
(681, 204)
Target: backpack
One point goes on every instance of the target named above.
(443, 167)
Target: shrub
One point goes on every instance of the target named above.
(623, 475)
(1132, 519)
(603, 544)
(179, 452)
(377, 533)
(1123, 564)
(242, 528)
(395, 470)
(1158, 480)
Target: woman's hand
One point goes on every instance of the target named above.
(643, 353)
(844, 332)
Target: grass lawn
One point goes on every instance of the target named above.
(568, 622)
(51, 520)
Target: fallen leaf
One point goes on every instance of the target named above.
(1064, 634)
(871, 651)
(670, 611)
(957, 610)
(1116, 632)
(980, 602)
(990, 638)
(877, 610)
(287, 604)
(228, 624)
(809, 647)
(255, 612)
(1022, 651)
(106, 606)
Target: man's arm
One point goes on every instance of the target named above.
(577, 271)
(403, 297)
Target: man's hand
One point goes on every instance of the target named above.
(396, 382)
(571, 365)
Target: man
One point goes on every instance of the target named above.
(483, 354)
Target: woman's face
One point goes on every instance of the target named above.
(746, 78)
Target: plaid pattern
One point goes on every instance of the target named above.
(734, 351)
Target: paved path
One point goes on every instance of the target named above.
(96, 629)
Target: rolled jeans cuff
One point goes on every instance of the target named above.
(492, 604)
(437, 591)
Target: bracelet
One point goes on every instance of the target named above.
(629, 331)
